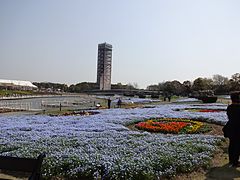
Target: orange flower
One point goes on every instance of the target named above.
(169, 125)
(209, 110)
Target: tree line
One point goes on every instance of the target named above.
(51, 86)
(218, 84)
(79, 87)
(88, 86)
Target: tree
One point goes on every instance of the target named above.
(177, 87)
(82, 87)
(187, 85)
(202, 84)
(236, 77)
(234, 82)
(161, 86)
(219, 80)
(167, 88)
(220, 84)
(153, 87)
(71, 88)
(53, 86)
(135, 85)
(131, 86)
(118, 86)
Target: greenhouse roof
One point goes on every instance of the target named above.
(4, 82)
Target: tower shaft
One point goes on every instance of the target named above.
(104, 66)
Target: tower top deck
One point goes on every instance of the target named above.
(105, 45)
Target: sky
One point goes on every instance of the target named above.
(153, 40)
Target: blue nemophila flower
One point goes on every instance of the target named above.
(101, 146)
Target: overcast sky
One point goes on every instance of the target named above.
(153, 40)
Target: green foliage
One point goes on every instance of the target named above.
(7, 148)
(15, 92)
(219, 84)
(53, 86)
(234, 82)
(81, 87)
(202, 84)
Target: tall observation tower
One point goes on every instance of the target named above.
(104, 66)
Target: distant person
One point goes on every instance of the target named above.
(109, 103)
(119, 103)
(232, 129)
(164, 98)
(169, 98)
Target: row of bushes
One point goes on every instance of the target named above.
(154, 96)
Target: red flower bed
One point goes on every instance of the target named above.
(168, 127)
(203, 110)
(171, 125)
(209, 110)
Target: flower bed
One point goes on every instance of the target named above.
(204, 110)
(209, 110)
(6, 110)
(171, 125)
(76, 113)
(184, 100)
(102, 147)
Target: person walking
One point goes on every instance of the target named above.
(109, 103)
(119, 103)
(169, 98)
(232, 129)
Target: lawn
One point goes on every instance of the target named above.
(14, 92)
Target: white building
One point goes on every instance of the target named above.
(16, 84)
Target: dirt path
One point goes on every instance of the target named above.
(10, 177)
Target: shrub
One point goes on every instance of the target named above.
(155, 96)
(208, 99)
(142, 96)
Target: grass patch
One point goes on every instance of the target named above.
(15, 92)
